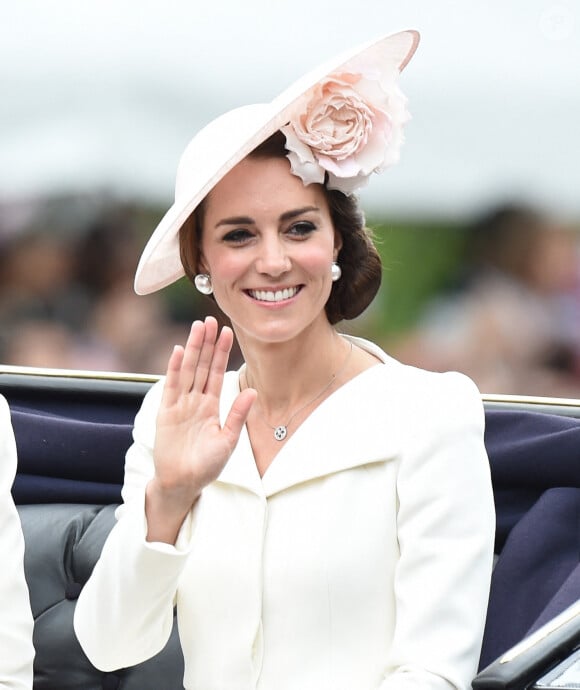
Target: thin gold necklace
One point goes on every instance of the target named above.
(281, 431)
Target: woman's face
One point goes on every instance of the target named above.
(268, 243)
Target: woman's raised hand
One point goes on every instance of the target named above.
(191, 446)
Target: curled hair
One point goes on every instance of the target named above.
(358, 257)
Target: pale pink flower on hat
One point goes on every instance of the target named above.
(349, 125)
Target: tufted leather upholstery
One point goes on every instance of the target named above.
(63, 542)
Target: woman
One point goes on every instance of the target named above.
(16, 650)
(322, 518)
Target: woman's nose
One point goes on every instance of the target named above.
(273, 258)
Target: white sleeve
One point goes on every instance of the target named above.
(446, 528)
(124, 614)
(16, 624)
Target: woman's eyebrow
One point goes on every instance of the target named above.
(236, 220)
(246, 220)
(298, 212)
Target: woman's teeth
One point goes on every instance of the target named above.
(273, 296)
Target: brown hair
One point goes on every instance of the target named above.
(358, 257)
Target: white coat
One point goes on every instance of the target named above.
(16, 624)
(361, 560)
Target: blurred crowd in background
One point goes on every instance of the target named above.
(66, 289)
(507, 313)
(509, 316)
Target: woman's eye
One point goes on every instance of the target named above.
(237, 236)
(302, 228)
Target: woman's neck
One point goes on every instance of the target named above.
(286, 375)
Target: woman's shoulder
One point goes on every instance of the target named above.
(415, 386)
(411, 374)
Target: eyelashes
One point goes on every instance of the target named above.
(239, 236)
(302, 228)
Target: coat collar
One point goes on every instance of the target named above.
(339, 435)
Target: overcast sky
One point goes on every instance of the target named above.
(104, 94)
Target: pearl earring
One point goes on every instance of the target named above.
(335, 271)
(203, 283)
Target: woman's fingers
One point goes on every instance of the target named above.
(201, 364)
(205, 355)
(191, 355)
(219, 362)
(171, 389)
(190, 441)
(239, 414)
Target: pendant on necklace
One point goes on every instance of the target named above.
(280, 432)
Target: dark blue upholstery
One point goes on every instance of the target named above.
(67, 460)
(529, 453)
(535, 466)
(72, 436)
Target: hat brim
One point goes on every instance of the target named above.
(227, 140)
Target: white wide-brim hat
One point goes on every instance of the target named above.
(228, 139)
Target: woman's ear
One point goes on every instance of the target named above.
(202, 265)
(337, 244)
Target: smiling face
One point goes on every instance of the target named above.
(268, 243)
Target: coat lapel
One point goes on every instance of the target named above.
(337, 436)
(241, 469)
